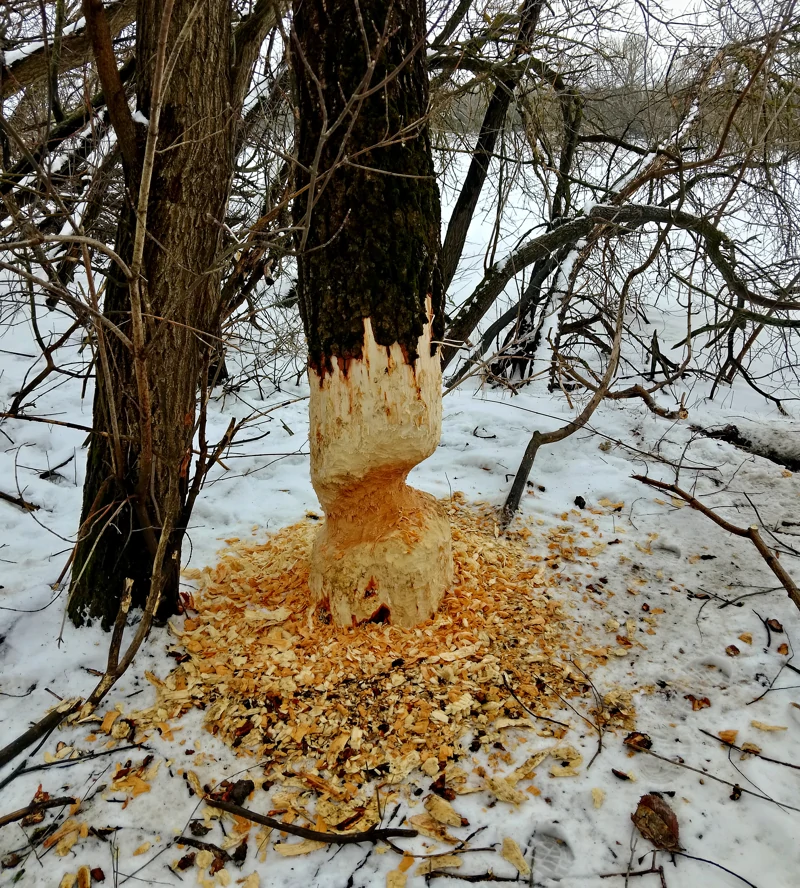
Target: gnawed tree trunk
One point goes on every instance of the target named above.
(371, 302)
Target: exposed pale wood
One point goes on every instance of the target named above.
(385, 550)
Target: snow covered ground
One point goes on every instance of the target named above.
(691, 620)
(659, 557)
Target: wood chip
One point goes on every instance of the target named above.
(440, 862)
(504, 790)
(513, 854)
(568, 761)
(526, 770)
(108, 721)
(761, 726)
(442, 811)
(431, 828)
(296, 849)
(277, 681)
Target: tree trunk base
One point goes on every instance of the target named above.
(384, 562)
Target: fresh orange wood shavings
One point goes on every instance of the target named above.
(278, 681)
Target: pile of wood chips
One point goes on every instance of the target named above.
(276, 680)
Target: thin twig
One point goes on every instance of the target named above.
(530, 712)
(201, 846)
(749, 751)
(374, 834)
(702, 773)
(717, 865)
(750, 533)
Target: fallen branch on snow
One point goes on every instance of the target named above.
(19, 501)
(749, 751)
(370, 835)
(750, 532)
(35, 807)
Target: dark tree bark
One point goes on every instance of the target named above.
(371, 301)
(372, 214)
(123, 511)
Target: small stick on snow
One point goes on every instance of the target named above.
(530, 712)
(370, 835)
(34, 807)
(757, 795)
(19, 501)
(749, 751)
(41, 729)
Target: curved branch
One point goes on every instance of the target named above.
(632, 216)
(247, 39)
(374, 834)
(750, 532)
(76, 50)
(99, 30)
(492, 124)
(28, 163)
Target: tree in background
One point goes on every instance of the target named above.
(177, 157)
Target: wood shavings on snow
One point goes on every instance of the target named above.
(276, 680)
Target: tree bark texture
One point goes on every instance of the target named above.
(371, 301)
(122, 513)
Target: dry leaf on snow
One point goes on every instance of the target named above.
(638, 741)
(657, 822)
(697, 702)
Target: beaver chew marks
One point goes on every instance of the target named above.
(384, 552)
